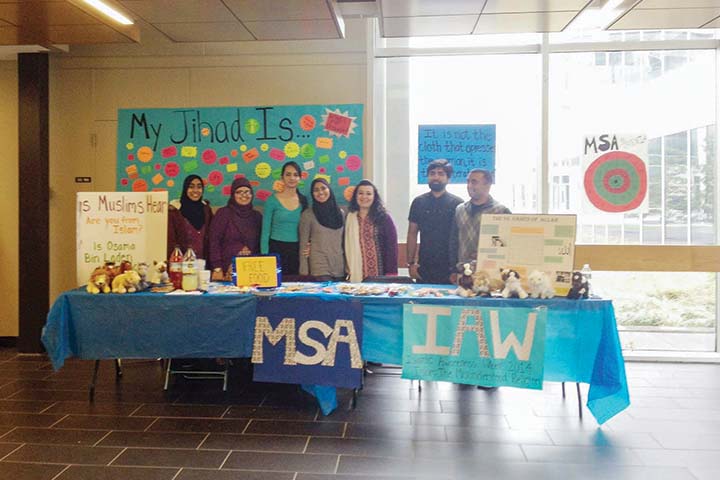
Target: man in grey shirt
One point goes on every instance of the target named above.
(465, 230)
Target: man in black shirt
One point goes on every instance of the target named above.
(431, 214)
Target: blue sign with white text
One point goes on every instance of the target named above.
(474, 345)
(466, 147)
(306, 340)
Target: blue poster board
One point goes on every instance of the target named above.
(474, 345)
(465, 146)
(157, 148)
(308, 341)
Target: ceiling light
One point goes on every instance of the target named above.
(600, 14)
(109, 11)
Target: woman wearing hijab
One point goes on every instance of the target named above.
(321, 229)
(235, 229)
(281, 219)
(371, 247)
(189, 219)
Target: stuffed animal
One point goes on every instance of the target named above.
(539, 285)
(142, 270)
(126, 282)
(465, 279)
(513, 287)
(98, 281)
(579, 288)
(481, 283)
(158, 274)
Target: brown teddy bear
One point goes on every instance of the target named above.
(98, 281)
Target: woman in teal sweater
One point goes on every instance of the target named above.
(281, 218)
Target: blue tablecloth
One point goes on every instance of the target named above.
(582, 343)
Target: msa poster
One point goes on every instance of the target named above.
(615, 178)
(465, 146)
(307, 340)
(117, 226)
(158, 148)
(474, 345)
(526, 243)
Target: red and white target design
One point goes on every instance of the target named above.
(616, 181)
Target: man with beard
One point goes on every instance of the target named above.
(431, 214)
(465, 230)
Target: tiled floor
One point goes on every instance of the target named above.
(135, 431)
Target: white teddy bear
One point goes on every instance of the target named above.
(539, 285)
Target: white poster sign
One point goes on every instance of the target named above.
(117, 226)
(615, 178)
(526, 243)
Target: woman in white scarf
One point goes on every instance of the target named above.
(370, 235)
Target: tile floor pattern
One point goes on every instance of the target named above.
(135, 431)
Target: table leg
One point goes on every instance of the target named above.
(94, 379)
(118, 368)
(579, 395)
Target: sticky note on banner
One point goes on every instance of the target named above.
(324, 158)
(157, 178)
(324, 142)
(257, 271)
(190, 166)
(188, 152)
(344, 181)
(251, 155)
(232, 167)
(308, 165)
(132, 171)
(277, 154)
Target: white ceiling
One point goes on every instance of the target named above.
(68, 22)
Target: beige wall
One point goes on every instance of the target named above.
(9, 199)
(88, 86)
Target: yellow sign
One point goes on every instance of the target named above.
(256, 271)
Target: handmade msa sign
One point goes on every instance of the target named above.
(615, 178)
(528, 243)
(465, 146)
(257, 271)
(158, 147)
(117, 226)
(308, 341)
(474, 345)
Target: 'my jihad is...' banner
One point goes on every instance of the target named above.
(474, 345)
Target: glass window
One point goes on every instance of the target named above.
(504, 90)
(674, 107)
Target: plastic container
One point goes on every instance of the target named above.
(175, 263)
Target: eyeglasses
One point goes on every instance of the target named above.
(245, 193)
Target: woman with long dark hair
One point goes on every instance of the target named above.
(281, 219)
(371, 247)
(321, 235)
(189, 219)
(235, 229)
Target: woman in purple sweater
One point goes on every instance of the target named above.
(235, 229)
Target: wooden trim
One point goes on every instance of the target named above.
(34, 195)
(637, 258)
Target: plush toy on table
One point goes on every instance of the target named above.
(158, 273)
(472, 282)
(579, 288)
(513, 287)
(126, 282)
(539, 285)
(142, 270)
(98, 282)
